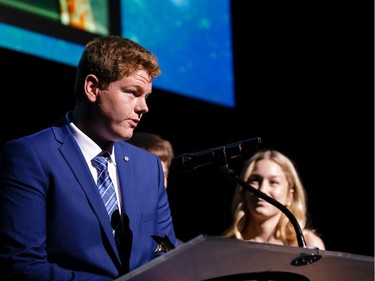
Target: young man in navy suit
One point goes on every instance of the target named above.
(53, 222)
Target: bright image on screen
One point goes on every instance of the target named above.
(91, 16)
(191, 38)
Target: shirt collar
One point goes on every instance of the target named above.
(88, 147)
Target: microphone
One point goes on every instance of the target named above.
(218, 155)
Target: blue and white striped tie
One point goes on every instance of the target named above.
(106, 188)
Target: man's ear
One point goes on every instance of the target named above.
(91, 87)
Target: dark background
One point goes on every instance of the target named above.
(304, 78)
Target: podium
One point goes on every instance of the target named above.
(214, 258)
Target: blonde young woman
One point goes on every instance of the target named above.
(255, 219)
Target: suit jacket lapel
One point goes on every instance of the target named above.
(75, 160)
(125, 178)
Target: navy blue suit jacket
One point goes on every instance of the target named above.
(53, 223)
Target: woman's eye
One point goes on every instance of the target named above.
(274, 183)
(253, 181)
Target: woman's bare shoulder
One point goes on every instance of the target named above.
(313, 240)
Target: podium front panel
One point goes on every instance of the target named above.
(217, 258)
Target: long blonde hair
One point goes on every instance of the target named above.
(284, 228)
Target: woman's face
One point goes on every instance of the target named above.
(269, 178)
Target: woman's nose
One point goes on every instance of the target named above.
(263, 186)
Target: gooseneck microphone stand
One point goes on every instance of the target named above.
(219, 157)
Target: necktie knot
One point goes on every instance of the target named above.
(101, 161)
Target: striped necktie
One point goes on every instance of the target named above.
(108, 194)
(107, 189)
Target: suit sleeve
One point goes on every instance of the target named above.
(23, 204)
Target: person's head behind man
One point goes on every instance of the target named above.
(157, 145)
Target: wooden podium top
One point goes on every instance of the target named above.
(217, 258)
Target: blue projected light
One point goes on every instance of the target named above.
(40, 45)
(191, 38)
(193, 42)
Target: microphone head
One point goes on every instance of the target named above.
(218, 155)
